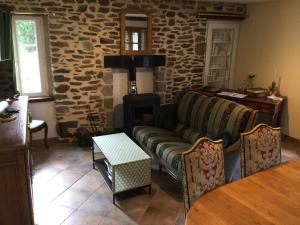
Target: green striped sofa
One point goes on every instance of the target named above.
(194, 116)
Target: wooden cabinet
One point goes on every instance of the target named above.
(222, 40)
(15, 171)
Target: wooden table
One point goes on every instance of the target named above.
(268, 197)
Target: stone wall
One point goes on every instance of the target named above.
(81, 32)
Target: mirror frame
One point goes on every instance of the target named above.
(148, 49)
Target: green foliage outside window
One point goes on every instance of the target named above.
(26, 35)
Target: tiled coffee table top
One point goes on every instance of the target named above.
(119, 149)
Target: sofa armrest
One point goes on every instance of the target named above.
(166, 117)
(252, 120)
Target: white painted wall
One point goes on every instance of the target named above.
(269, 46)
(44, 111)
(144, 82)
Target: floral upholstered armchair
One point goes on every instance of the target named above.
(203, 169)
(260, 149)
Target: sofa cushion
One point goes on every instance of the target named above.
(152, 136)
(188, 133)
(169, 153)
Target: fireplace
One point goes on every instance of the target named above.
(136, 106)
(131, 63)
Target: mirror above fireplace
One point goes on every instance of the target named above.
(136, 27)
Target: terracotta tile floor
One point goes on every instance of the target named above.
(68, 191)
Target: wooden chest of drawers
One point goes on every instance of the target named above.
(15, 169)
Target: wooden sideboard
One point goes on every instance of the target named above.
(270, 107)
(15, 169)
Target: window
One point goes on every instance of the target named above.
(135, 38)
(30, 55)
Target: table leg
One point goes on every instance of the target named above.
(93, 155)
(149, 189)
(114, 198)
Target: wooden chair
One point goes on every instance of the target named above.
(35, 126)
(203, 169)
(260, 149)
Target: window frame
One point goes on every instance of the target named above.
(39, 21)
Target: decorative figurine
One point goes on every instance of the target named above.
(273, 89)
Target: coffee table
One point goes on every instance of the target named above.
(122, 163)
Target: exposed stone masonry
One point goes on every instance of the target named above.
(81, 32)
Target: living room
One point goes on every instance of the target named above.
(90, 77)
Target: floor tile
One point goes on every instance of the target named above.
(81, 167)
(95, 173)
(39, 205)
(82, 218)
(72, 198)
(104, 190)
(163, 201)
(109, 221)
(62, 163)
(154, 216)
(52, 215)
(43, 193)
(117, 214)
(66, 178)
(133, 207)
(138, 195)
(45, 174)
(88, 182)
(97, 204)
